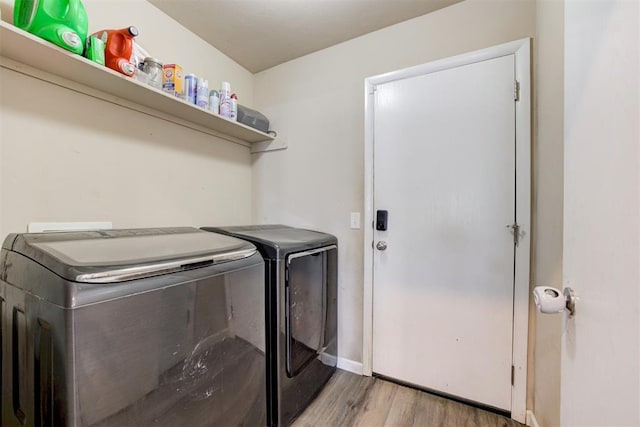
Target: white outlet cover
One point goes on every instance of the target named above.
(355, 220)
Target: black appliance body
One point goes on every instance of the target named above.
(161, 327)
(301, 275)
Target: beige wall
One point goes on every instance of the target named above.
(317, 103)
(65, 156)
(547, 205)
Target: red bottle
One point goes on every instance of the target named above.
(118, 49)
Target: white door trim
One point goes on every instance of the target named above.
(521, 49)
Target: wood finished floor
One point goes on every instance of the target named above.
(354, 400)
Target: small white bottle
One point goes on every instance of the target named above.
(234, 107)
(214, 102)
(225, 100)
(202, 98)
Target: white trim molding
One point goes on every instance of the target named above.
(350, 365)
(531, 419)
(522, 51)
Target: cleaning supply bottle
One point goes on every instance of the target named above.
(94, 50)
(234, 107)
(214, 102)
(62, 22)
(119, 49)
(225, 100)
(202, 98)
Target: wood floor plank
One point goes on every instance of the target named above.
(326, 399)
(481, 418)
(403, 407)
(377, 405)
(458, 414)
(431, 410)
(339, 403)
(354, 400)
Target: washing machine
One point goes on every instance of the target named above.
(301, 276)
(162, 327)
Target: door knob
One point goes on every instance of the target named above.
(381, 245)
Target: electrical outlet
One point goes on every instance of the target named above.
(355, 220)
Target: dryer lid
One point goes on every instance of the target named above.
(278, 241)
(118, 255)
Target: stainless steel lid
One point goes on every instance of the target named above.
(121, 255)
(277, 241)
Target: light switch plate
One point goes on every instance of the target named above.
(355, 220)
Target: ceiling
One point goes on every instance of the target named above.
(259, 34)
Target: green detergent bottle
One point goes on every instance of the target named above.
(62, 22)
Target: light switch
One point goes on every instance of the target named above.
(355, 220)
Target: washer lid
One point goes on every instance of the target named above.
(120, 255)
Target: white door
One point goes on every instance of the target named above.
(600, 378)
(443, 289)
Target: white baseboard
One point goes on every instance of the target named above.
(350, 365)
(329, 359)
(531, 419)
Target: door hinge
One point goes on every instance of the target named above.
(373, 90)
(513, 373)
(516, 91)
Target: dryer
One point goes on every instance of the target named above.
(301, 277)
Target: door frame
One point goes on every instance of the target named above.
(522, 51)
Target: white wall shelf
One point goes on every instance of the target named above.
(27, 54)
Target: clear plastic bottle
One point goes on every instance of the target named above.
(202, 98)
(225, 100)
(190, 88)
(153, 68)
(214, 102)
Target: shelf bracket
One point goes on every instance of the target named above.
(280, 143)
